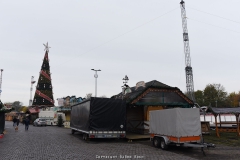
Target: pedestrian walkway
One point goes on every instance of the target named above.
(52, 142)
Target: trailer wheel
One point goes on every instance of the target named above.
(156, 142)
(85, 136)
(73, 131)
(163, 144)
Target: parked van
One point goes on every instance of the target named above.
(51, 117)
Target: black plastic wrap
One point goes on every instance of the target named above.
(2, 122)
(99, 114)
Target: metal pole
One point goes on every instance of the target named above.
(96, 76)
(204, 113)
(30, 101)
(96, 83)
(1, 83)
(32, 82)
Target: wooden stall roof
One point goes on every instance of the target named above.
(137, 92)
(216, 111)
(33, 110)
(219, 111)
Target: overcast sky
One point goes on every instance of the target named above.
(138, 38)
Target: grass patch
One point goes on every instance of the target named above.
(226, 138)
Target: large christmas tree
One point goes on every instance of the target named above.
(44, 95)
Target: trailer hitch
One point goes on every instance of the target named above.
(210, 145)
(207, 145)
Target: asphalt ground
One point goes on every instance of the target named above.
(57, 143)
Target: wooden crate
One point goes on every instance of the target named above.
(205, 127)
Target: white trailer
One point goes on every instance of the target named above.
(178, 126)
(51, 116)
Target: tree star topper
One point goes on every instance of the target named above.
(46, 47)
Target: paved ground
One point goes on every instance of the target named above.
(49, 142)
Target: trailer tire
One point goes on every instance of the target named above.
(156, 142)
(163, 144)
(73, 131)
(85, 136)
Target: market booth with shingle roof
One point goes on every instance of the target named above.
(146, 97)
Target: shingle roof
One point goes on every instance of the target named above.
(135, 92)
(225, 110)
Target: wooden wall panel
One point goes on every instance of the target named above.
(151, 108)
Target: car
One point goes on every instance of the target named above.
(40, 122)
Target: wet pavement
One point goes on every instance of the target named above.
(52, 142)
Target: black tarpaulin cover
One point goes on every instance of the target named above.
(2, 122)
(99, 114)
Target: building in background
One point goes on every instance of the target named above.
(65, 103)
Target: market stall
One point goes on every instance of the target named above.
(226, 126)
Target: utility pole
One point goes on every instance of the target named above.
(1, 83)
(32, 82)
(188, 68)
(96, 76)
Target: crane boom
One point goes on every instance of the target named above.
(188, 68)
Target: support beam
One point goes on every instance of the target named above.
(216, 126)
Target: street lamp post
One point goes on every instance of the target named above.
(125, 86)
(32, 82)
(96, 76)
(125, 81)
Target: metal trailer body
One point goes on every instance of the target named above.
(178, 126)
(51, 116)
(99, 118)
(60, 114)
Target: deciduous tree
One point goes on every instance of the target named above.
(233, 99)
(17, 105)
(199, 96)
(215, 95)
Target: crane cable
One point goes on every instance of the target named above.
(143, 24)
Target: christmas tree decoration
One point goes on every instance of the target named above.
(44, 95)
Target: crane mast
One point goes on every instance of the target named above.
(188, 68)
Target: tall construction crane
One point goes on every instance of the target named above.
(188, 68)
